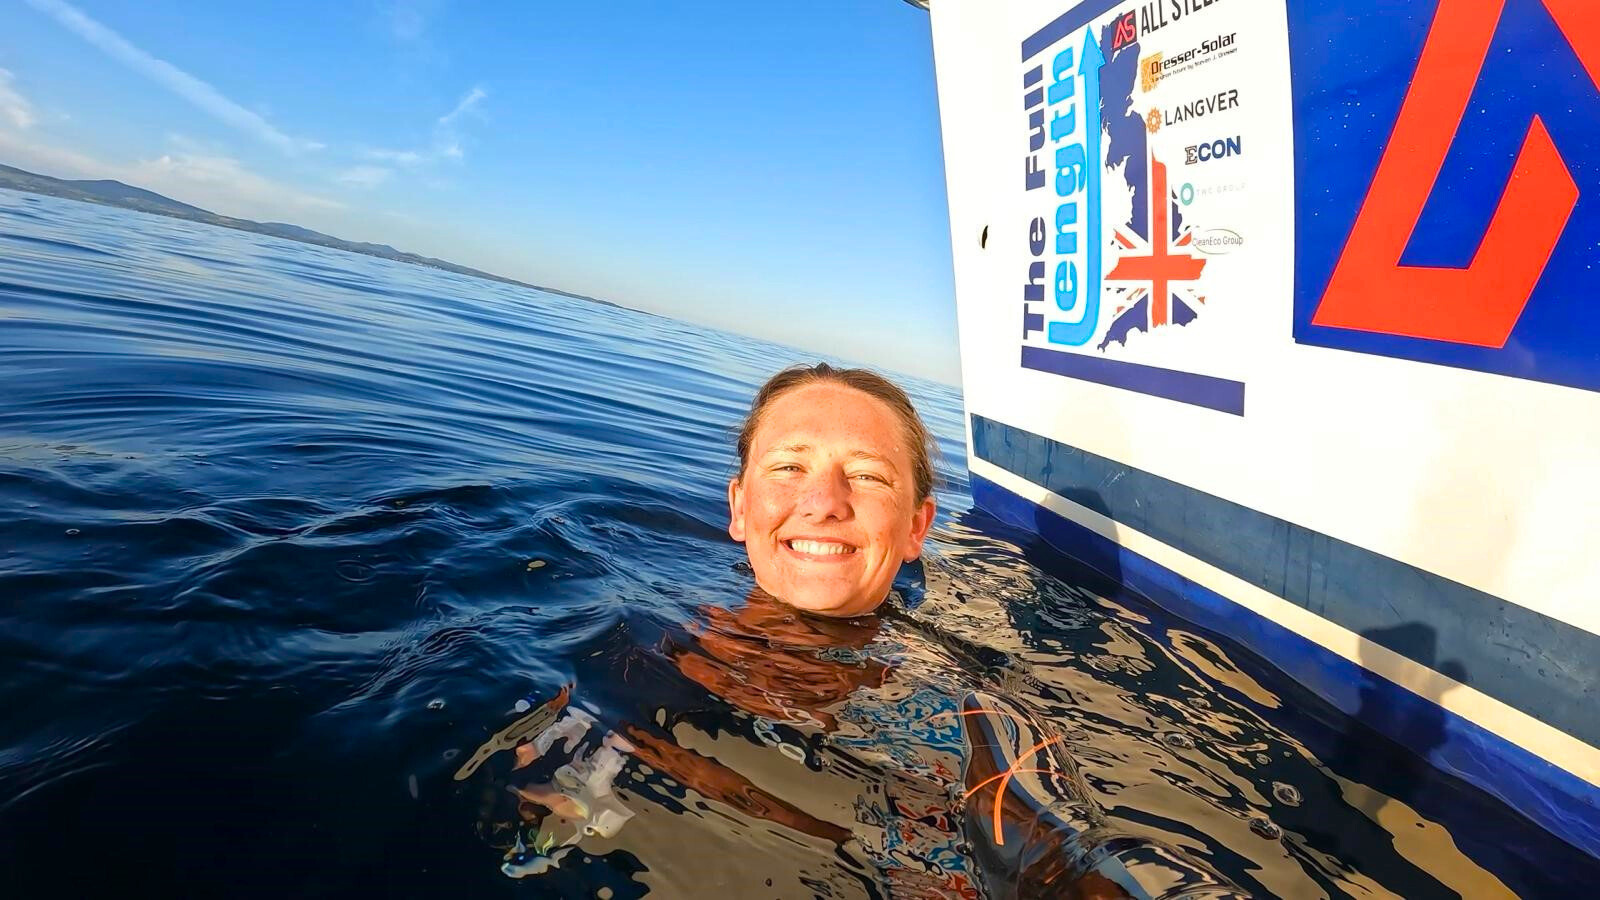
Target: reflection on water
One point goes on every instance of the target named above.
(327, 576)
(1425, 725)
(1146, 747)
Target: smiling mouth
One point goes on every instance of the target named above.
(819, 548)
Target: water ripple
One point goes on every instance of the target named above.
(288, 532)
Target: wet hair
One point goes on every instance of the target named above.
(918, 439)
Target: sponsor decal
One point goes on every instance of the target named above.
(1208, 151)
(1156, 67)
(1217, 241)
(1189, 191)
(1111, 236)
(1204, 106)
(1151, 17)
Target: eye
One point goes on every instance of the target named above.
(869, 476)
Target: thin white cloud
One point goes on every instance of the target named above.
(185, 144)
(226, 182)
(203, 96)
(446, 137)
(364, 176)
(408, 19)
(468, 102)
(207, 180)
(14, 107)
(35, 156)
(446, 145)
(407, 23)
(395, 157)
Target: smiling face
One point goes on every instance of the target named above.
(827, 504)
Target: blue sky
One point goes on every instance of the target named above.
(772, 169)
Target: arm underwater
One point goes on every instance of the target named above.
(1035, 832)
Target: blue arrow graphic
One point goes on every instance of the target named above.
(1078, 333)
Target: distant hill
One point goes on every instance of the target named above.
(115, 193)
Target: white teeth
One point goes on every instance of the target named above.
(819, 548)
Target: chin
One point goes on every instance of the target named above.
(822, 604)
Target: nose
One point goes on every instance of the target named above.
(826, 496)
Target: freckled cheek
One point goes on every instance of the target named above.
(887, 518)
(771, 510)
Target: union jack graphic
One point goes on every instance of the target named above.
(1153, 269)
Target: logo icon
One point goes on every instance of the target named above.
(1218, 149)
(1152, 122)
(1150, 72)
(1217, 241)
(1125, 31)
(1188, 192)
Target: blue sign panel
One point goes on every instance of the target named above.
(1447, 182)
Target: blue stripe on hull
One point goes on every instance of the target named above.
(1558, 801)
(1527, 660)
(1219, 394)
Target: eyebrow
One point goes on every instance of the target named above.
(854, 454)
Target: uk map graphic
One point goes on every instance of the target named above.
(1155, 281)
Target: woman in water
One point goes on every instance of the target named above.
(833, 494)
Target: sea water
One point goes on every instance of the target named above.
(322, 574)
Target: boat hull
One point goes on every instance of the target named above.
(1276, 313)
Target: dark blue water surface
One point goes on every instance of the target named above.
(288, 536)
